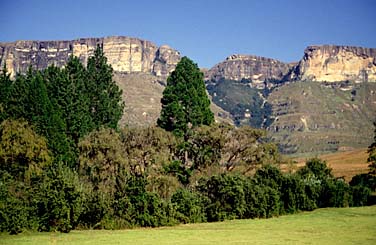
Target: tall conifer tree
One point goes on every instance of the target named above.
(185, 102)
(106, 103)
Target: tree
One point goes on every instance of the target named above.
(185, 102)
(372, 154)
(101, 160)
(67, 88)
(5, 92)
(148, 149)
(23, 153)
(106, 105)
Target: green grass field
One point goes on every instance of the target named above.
(322, 226)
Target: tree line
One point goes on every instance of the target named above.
(66, 164)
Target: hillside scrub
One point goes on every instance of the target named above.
(65, 164)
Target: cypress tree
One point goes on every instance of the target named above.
(185, 102)
(106, 103)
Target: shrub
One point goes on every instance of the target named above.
(16, 212)
(225, 197)
(189, 206)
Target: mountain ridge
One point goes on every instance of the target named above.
(125, 54)
(305, 106)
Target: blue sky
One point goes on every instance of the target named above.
(207, 31)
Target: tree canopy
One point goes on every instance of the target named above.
(185, 102)
(64, 104)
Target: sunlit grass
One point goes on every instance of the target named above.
(323, 226)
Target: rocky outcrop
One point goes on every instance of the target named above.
(336, 63)
(255, 68)
(125, 54)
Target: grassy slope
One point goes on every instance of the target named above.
(313, 118)
(323, 226)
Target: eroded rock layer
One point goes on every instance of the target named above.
(332, 63)
(125, 54)
(255, 68)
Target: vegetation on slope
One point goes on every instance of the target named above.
(246, 105)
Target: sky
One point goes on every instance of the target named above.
(207, 31)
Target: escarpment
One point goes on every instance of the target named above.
(124, 54)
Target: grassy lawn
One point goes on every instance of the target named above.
(323, 226)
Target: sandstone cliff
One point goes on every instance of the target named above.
(256, 68)
(336, 63)
(125, 54)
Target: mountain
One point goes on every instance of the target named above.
(324, 102)
(125, 54)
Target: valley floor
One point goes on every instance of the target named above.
(322, 226)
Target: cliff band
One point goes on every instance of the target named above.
(125, 54)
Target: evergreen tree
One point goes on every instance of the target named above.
(372, 154)
(45, 114)
(185, 102)
(5, 92)
(67, 88)
(106, 103)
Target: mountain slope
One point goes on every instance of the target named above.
(314, 117)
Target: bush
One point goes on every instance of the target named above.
(60, 200)
(16, 212)
(261, 201)
(189, 206)
(360, 195)
(336, 193)
(225, 197)
(366, 180)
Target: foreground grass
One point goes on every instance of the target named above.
(322, 226)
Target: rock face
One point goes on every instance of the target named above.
(256, 68)
(125, 54)
(336, 63)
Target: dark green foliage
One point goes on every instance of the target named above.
(336, 193)
(271, 176)
(185, 103)
(316, 168)
(177, 169)
(299, 194)
(60, 200)
(64, 104)
(362, 186)
(189, 206)
(225, 197)
(106, 106)
(360, 195)
(16, 212)
(5, 92)
(366, 180)
(262, 201)
(372, 154)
